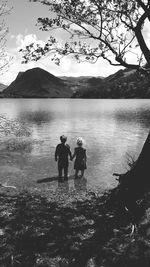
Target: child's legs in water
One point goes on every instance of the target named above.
(82, 173)
(60, 171)
(66, 172)
(76, 173)
(62, 167)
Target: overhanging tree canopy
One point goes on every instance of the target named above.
(111, 29)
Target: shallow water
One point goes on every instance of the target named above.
(113, 131)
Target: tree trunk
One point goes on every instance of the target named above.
(143, 45)
(137, 181)
(141, 171)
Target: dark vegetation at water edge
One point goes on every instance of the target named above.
(122, 84)
(97, 231)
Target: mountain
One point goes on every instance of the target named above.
(37, 83)
(79, 83)
(2, 87)
(127, 83)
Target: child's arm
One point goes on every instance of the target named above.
(85, 156)
(74, 154)
(70, 154)
(69, 151)
(56, 153)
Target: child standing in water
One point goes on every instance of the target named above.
(80, 158)
(61, 155)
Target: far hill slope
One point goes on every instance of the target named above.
(80, 82)
(2, 87)
(125, 83)
(37, 83)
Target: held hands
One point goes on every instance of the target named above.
(72, 157)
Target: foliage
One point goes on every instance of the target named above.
(14, 135)
(20, 144)
(4, 57)
(13, 127)
(110, 29)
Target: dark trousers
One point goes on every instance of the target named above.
(62, 167)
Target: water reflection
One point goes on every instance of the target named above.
(35, 117)
(62, 188)
(80, 184)
(112, 129)
(134, 117)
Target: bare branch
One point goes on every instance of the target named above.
(4, 57)
(112, 25)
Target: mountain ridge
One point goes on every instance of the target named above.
(125, 83)
(37, 83)
(2, 87)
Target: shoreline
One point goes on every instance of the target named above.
(37, 231)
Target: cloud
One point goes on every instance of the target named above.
(22, 41)
(15, 65)
(12, 36)
(68, 65)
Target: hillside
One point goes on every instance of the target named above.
(79, 83)
(37, 83)
(2, 87)
(122, 84)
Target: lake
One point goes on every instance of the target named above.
(114, 132)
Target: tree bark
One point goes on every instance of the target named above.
(142, 167)
(137, 180)
(143, 47)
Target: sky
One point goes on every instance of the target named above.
(22, 30)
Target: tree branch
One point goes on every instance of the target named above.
(145, 8)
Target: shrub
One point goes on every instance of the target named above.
(13, 127)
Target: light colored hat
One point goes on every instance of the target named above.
(79, 141)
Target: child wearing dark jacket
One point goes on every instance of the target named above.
(62, 153)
